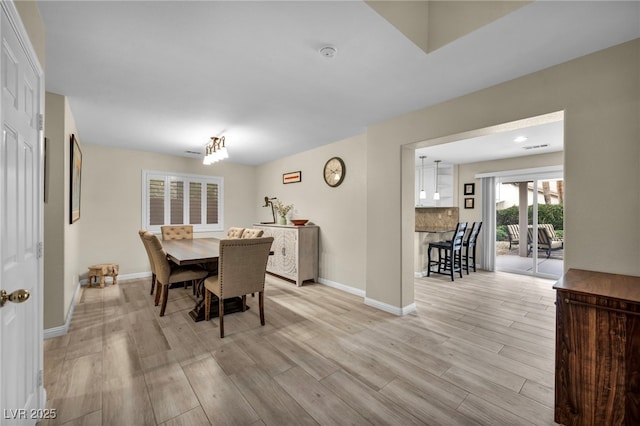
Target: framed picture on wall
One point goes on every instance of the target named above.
(469, 203)
(469, 189)
(76, 180)
(292, 177)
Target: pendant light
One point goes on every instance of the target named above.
(436, 195)
(423, 193)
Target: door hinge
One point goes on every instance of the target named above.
(40, 122)
(40, 381)
(40, 250)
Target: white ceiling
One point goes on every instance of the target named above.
(165, 76)
(540, 139)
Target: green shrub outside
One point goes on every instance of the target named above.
(501, 233)
(547, 213)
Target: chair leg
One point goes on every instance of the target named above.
(244, 302)
(221, 315)
(466, 260)
(474, 258)
(452, 263)
(159, 287)
(207, 305)
(261, 304)
(459, 262)
(165, 296)
(153, 283)
(429, 261)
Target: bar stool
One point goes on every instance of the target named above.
(451, 261)
(470, 247)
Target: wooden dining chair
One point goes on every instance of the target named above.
(242, 266)
(150, 256)
(177, 232)
(165, 273)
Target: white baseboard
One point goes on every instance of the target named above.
(134, 276)
(63, 329)
(390, 308)
(342, 287)
(368, 301)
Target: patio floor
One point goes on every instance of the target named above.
(510, 260)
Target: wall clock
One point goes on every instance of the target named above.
(334, 171)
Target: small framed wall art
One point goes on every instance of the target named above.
(469, 189)
(469, 203)
(292, 177)
(75, 180)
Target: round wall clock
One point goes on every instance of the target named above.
(334, 171)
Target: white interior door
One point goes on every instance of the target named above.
(21, 392)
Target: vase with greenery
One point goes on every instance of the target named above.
(283, 210)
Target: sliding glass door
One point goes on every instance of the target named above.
(529, 225)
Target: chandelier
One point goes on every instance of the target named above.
(215, 151)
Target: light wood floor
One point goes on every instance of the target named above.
(479, 350)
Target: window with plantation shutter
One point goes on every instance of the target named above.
(175, 199)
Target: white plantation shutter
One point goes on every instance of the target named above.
(176, 202)
(170, 198)
(212, 203)
(195, 202)
(156, 202)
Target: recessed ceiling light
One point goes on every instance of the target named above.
(328, 51)
(520, 139)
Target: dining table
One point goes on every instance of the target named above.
(204, 252)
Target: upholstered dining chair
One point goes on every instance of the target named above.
(165, 274)
(177, 232)
(150, 256)
(252, 233)
(235, 232)
(242, 266)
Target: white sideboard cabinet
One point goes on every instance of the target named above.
(295, 251)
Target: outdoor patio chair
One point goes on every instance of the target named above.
(547, 239)
(513, 232)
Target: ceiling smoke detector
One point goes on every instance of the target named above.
(328, 51)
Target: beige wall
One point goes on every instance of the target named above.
(340, 212)
(61, 245)
(599, 94)
(111, 209)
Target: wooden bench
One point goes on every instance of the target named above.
(101, 270)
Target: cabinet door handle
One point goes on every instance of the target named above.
(284, 251)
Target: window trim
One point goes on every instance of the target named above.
(186, 178)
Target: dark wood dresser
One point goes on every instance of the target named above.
(597, 349)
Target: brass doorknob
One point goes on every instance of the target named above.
(17, 296)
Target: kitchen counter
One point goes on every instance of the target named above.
(436, 219)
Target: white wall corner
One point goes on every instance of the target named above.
(390, 308)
